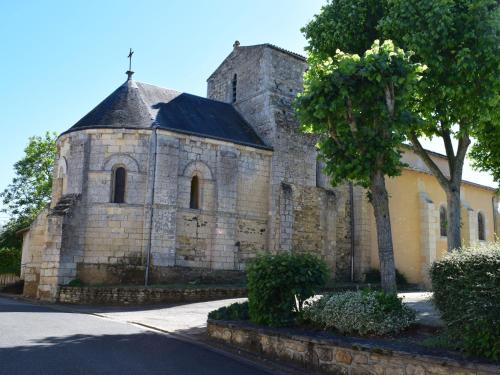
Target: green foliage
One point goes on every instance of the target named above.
(279, 284)
(8, 233)
(466, 286)
(75, 282)
(458, 41)
(363, 313)
(10, 261)
(346, 25)
(235, 311)
(347, 102)
(31, 188)
(373, 276)
(485, 153)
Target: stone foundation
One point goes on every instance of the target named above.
(122, 273)
(343, 355)
(140, 296)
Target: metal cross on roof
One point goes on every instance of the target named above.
(130, 59)
(129, 71)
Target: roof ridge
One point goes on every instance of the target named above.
(294, 54)
(160, 87)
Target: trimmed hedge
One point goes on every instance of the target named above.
(279, 284)
(466, 286)
(10, 261)
(235, 311)
(363, 313)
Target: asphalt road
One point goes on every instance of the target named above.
(36, 339)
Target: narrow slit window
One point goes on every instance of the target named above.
(234, 83)
(443, 221)
(194, 201)
(119, 185)
(480, 227)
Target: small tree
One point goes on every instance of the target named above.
(459, 42)
(30, 189)
(359, 108)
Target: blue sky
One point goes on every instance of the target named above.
(58, 59)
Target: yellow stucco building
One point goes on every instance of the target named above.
(418, 218)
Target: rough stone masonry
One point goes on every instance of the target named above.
(189, 187)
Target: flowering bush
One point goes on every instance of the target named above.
(466, 285)
(363, 313)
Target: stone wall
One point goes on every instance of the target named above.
(250, 200)
(305, 213)
(139, 296)
(102, 242)
(343, 355)
(33, 245)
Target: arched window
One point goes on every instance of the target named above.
(119, 182)
(194, 201)
(480, 226)
(443, 221)
(234, 83)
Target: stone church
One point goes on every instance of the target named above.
(161, 186)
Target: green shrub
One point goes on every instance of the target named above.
(466, 286)
(278, 285)
(235, 311)
(75, 282)
(10, 261)
(362, 312)
(373, 276)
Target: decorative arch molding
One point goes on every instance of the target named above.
(198, 168)
(125, 160)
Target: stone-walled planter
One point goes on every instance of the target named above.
(141, 295)
(344, 355)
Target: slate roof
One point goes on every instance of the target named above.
(139, 105)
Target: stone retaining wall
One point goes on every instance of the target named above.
(344, 355)
(138, 296)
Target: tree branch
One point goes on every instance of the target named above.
(463, 145)
(429, 162)
(350, 117)
(450, 153)
(332, 132)
(389, 98)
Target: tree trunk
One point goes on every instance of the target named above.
(380, 203)
(450, 185)
(453, 225)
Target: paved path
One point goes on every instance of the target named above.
(191, 319)
(37, 339)
(62, 339)
(188, 319)
(421, 302)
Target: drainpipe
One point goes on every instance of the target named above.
(148, 256)
(351, 197)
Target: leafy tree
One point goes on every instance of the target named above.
(485, 153)
(347, 25)
(30, 189)
(360, 108)
(458, 41)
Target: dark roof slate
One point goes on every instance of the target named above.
(141, 105)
